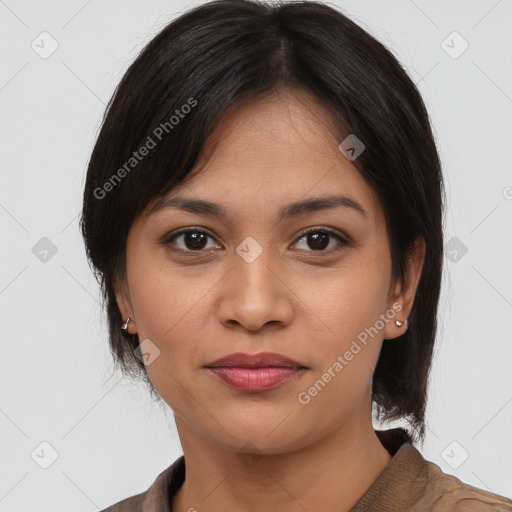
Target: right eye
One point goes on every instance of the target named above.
(193, 240)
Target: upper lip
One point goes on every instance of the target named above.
(260, 360)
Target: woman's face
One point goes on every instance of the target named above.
(252, 280)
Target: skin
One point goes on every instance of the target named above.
(306, 304)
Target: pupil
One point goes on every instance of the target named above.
(193, 240)
(319, 240)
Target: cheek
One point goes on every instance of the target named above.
(171, 310)
(351, 298)
(161, 296)
(349, 348)
(349, 307)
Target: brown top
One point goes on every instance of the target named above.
(409, 483)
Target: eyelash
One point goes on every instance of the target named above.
(345, 241)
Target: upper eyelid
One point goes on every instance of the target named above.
(332, 231)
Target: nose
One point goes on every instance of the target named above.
(255, 296)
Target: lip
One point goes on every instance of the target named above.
(260, 360)
(255, 372)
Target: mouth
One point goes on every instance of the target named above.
(255, 372)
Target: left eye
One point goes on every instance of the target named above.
(318, 239)
(196, 240)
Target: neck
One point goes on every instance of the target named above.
(331, 475)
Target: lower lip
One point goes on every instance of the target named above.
(255, 379)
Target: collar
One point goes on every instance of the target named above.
(402, 481)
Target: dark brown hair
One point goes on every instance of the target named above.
(217, 56)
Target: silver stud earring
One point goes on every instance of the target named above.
(399, 323)
(124, 327)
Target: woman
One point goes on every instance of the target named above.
(263, 209)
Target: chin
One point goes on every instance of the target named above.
(265, 439)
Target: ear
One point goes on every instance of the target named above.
(405, 290)
(124, 303)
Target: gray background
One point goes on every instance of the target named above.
(57, 383)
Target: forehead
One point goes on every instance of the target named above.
(274, 151)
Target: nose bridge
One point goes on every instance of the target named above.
(254, 294)
(253, 269)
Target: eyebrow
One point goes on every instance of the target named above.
(201, 207)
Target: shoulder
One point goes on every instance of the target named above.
(447, 492)
(131, 504)
(159, 495)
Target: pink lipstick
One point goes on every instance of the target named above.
(255, 372)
